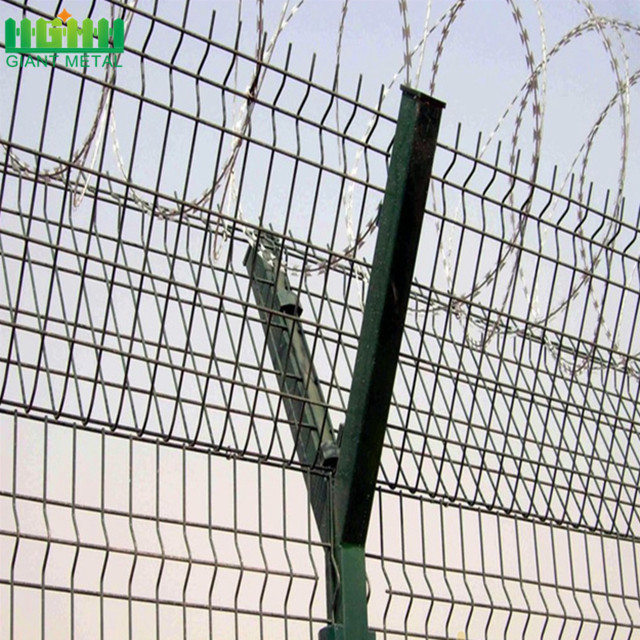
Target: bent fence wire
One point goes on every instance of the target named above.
(149, 480)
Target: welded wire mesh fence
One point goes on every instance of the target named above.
(149, 482)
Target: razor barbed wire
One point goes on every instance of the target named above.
(534, 88)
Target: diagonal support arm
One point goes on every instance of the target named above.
(302, 395)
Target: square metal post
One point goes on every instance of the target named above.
(399, 230)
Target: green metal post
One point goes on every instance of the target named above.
(358, 460)
(378, 349)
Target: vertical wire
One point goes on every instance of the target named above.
(103, 525)
(158, 477)
(236, 543)
(285, 537)
(201, 269)
(443, 542)
(464, 571)
(481, 518)
(261, 353)
(607, 591)
(536, 528)
(211, 543)
(588, 563)
(74, 521)
(317, 338)
(134, 541)
(521, 579)
(126, 354)
(326, 557)
(137, 323)
(572, 579)
(26, 264)
(193, 306)
(83, 267)
(185, 537)
(12, 341)
(425, 572)
(237, 370)
(383, 566)
(502, 575)
(554, 557)
(45, 517)
(263, 556)
(403, 563)
(162, 300)
(14, 509)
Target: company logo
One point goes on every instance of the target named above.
(63, 35)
